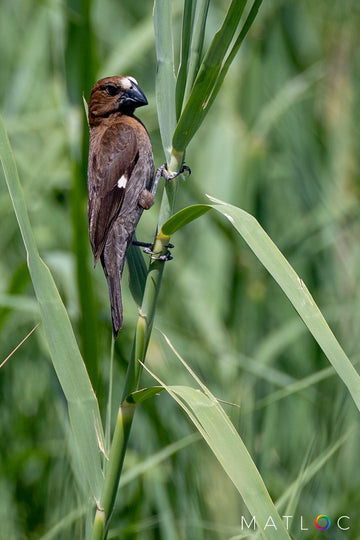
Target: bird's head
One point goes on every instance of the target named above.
(115, 94)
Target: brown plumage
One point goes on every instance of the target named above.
(120, 177)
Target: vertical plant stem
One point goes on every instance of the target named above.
(109, 410)
(81, 73)
(127, 410)
(169, 193)
(116, 460)
(168, 95)
(138, 354)
(99, 525)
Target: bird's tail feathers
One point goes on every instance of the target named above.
(116, 304)
(114, 285)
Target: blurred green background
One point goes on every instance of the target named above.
(282, 142)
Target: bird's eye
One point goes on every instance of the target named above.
(112, 90)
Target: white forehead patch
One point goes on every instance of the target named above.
(127, 82)
(132, 79)
(121, 183)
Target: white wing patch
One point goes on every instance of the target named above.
(121, 183)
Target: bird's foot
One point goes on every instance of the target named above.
(171, 175)
(154, 255)
(163, 172)
(157, 256)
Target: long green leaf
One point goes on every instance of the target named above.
(294, 288)
(197, 41)
(296, 291)
(226, 444)
(193, 112)
(68, 363)
(187, 25)
(165, 73)
(145, 393)
(247, 25)
(232, 454)
(183, 217)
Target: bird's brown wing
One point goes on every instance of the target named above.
(111, 164)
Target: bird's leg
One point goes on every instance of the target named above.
(141, 244)
(150, 196)
(146, 199)
(162, 171)
(155, 255)
(148, 245)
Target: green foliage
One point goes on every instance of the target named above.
(206, 75)
(70, 369)
(294, 288)
(280, 141)
(214, 425)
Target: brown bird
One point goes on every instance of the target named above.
(120, 177)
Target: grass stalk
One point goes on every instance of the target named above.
(168, 99)
(127, 410)
(116, 460)
(82, 69)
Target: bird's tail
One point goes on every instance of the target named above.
(114, 284)
(112, 260)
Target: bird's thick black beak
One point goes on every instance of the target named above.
(133, 97)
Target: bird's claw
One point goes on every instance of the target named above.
(185, 168)
(171, 175)
(163, 172)
(155, 255)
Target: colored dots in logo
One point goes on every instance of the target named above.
(322, 522)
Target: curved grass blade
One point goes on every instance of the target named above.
(193, 112)
(187, 26)
(296, 291)
(225, 68)
(165, 73)
(196, 47)
(294, 288)
(226, 444)
(145, 393)
(183, 217)
(68, 363)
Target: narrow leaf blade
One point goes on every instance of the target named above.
(145, 393)
(194, 109)
(226, 444)
(165, 73)
(225, 68)
(68, 363)
(186, 34)
(183, 217)
(296, 291)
